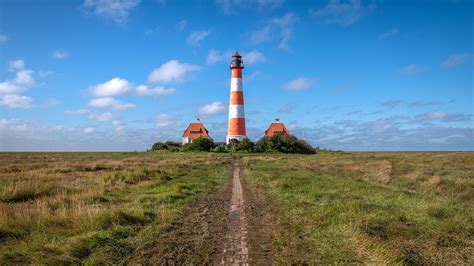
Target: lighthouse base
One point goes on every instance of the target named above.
(237, 137)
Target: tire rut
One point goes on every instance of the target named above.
(235, 245)
(237, 225)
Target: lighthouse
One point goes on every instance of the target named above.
(236, 128)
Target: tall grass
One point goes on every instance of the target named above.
(62, 208)
(383, 208)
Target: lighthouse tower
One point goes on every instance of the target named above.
(236, 129)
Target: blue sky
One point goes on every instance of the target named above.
(119, 75)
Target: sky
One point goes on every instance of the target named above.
(119, 75)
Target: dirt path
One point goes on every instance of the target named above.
(236, 225)
(235, 245)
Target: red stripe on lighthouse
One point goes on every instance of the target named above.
(237, 72)
(237, 98)
(236, 127)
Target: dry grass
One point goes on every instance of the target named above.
(94, 207)
(383, 208)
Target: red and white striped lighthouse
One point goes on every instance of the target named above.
(236, 129)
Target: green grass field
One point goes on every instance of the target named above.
(94, 207)
(413, 208)
(384, 208)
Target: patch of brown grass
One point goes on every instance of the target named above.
(93, 206)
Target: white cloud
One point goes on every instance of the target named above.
(8, 87)
(215, 56)
(261, 35)
(115, 86)
(299, 84)
(88, 130)
(143, 90)
(120, 129)
(389, 33)
(24, 77)
(16, 101)
(253, 57)
(77, 112)
(181, 25)
(116, 10)
(3, 38)
(227, 6)
(392, 103)
(171, 71)
(111, 103)
(165, 120)
(412, 69)
(443, 117)
(107, 116)
(283, 26)
(342, 13)
(455, 60)
(58, 54)
(16, 65)
(252, 76)
(212, 109)
(196, 37)
(15, 125)
(45, 73)
(8, 122)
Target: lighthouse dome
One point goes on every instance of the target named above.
(237, 61)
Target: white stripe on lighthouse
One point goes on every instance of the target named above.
(236, 84)
(236, 111)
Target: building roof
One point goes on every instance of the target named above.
(196, 130)
(276, 128)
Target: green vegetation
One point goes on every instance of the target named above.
(200, 144)
(383, 208)
(166, 146)
(61, 208)
(283, 143)
(276, 143)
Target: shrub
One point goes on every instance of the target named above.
(166, 146)
(246, 145)
(159, 146)
(283, 143)
(233, 145)
(201, 144)
(220, 147)
(173, 145)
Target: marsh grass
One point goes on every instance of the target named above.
(62, 208)
(383, 208)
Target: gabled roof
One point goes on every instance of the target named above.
(195, 130)
(276, 128)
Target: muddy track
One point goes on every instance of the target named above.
(235, 246)
(236, 225)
